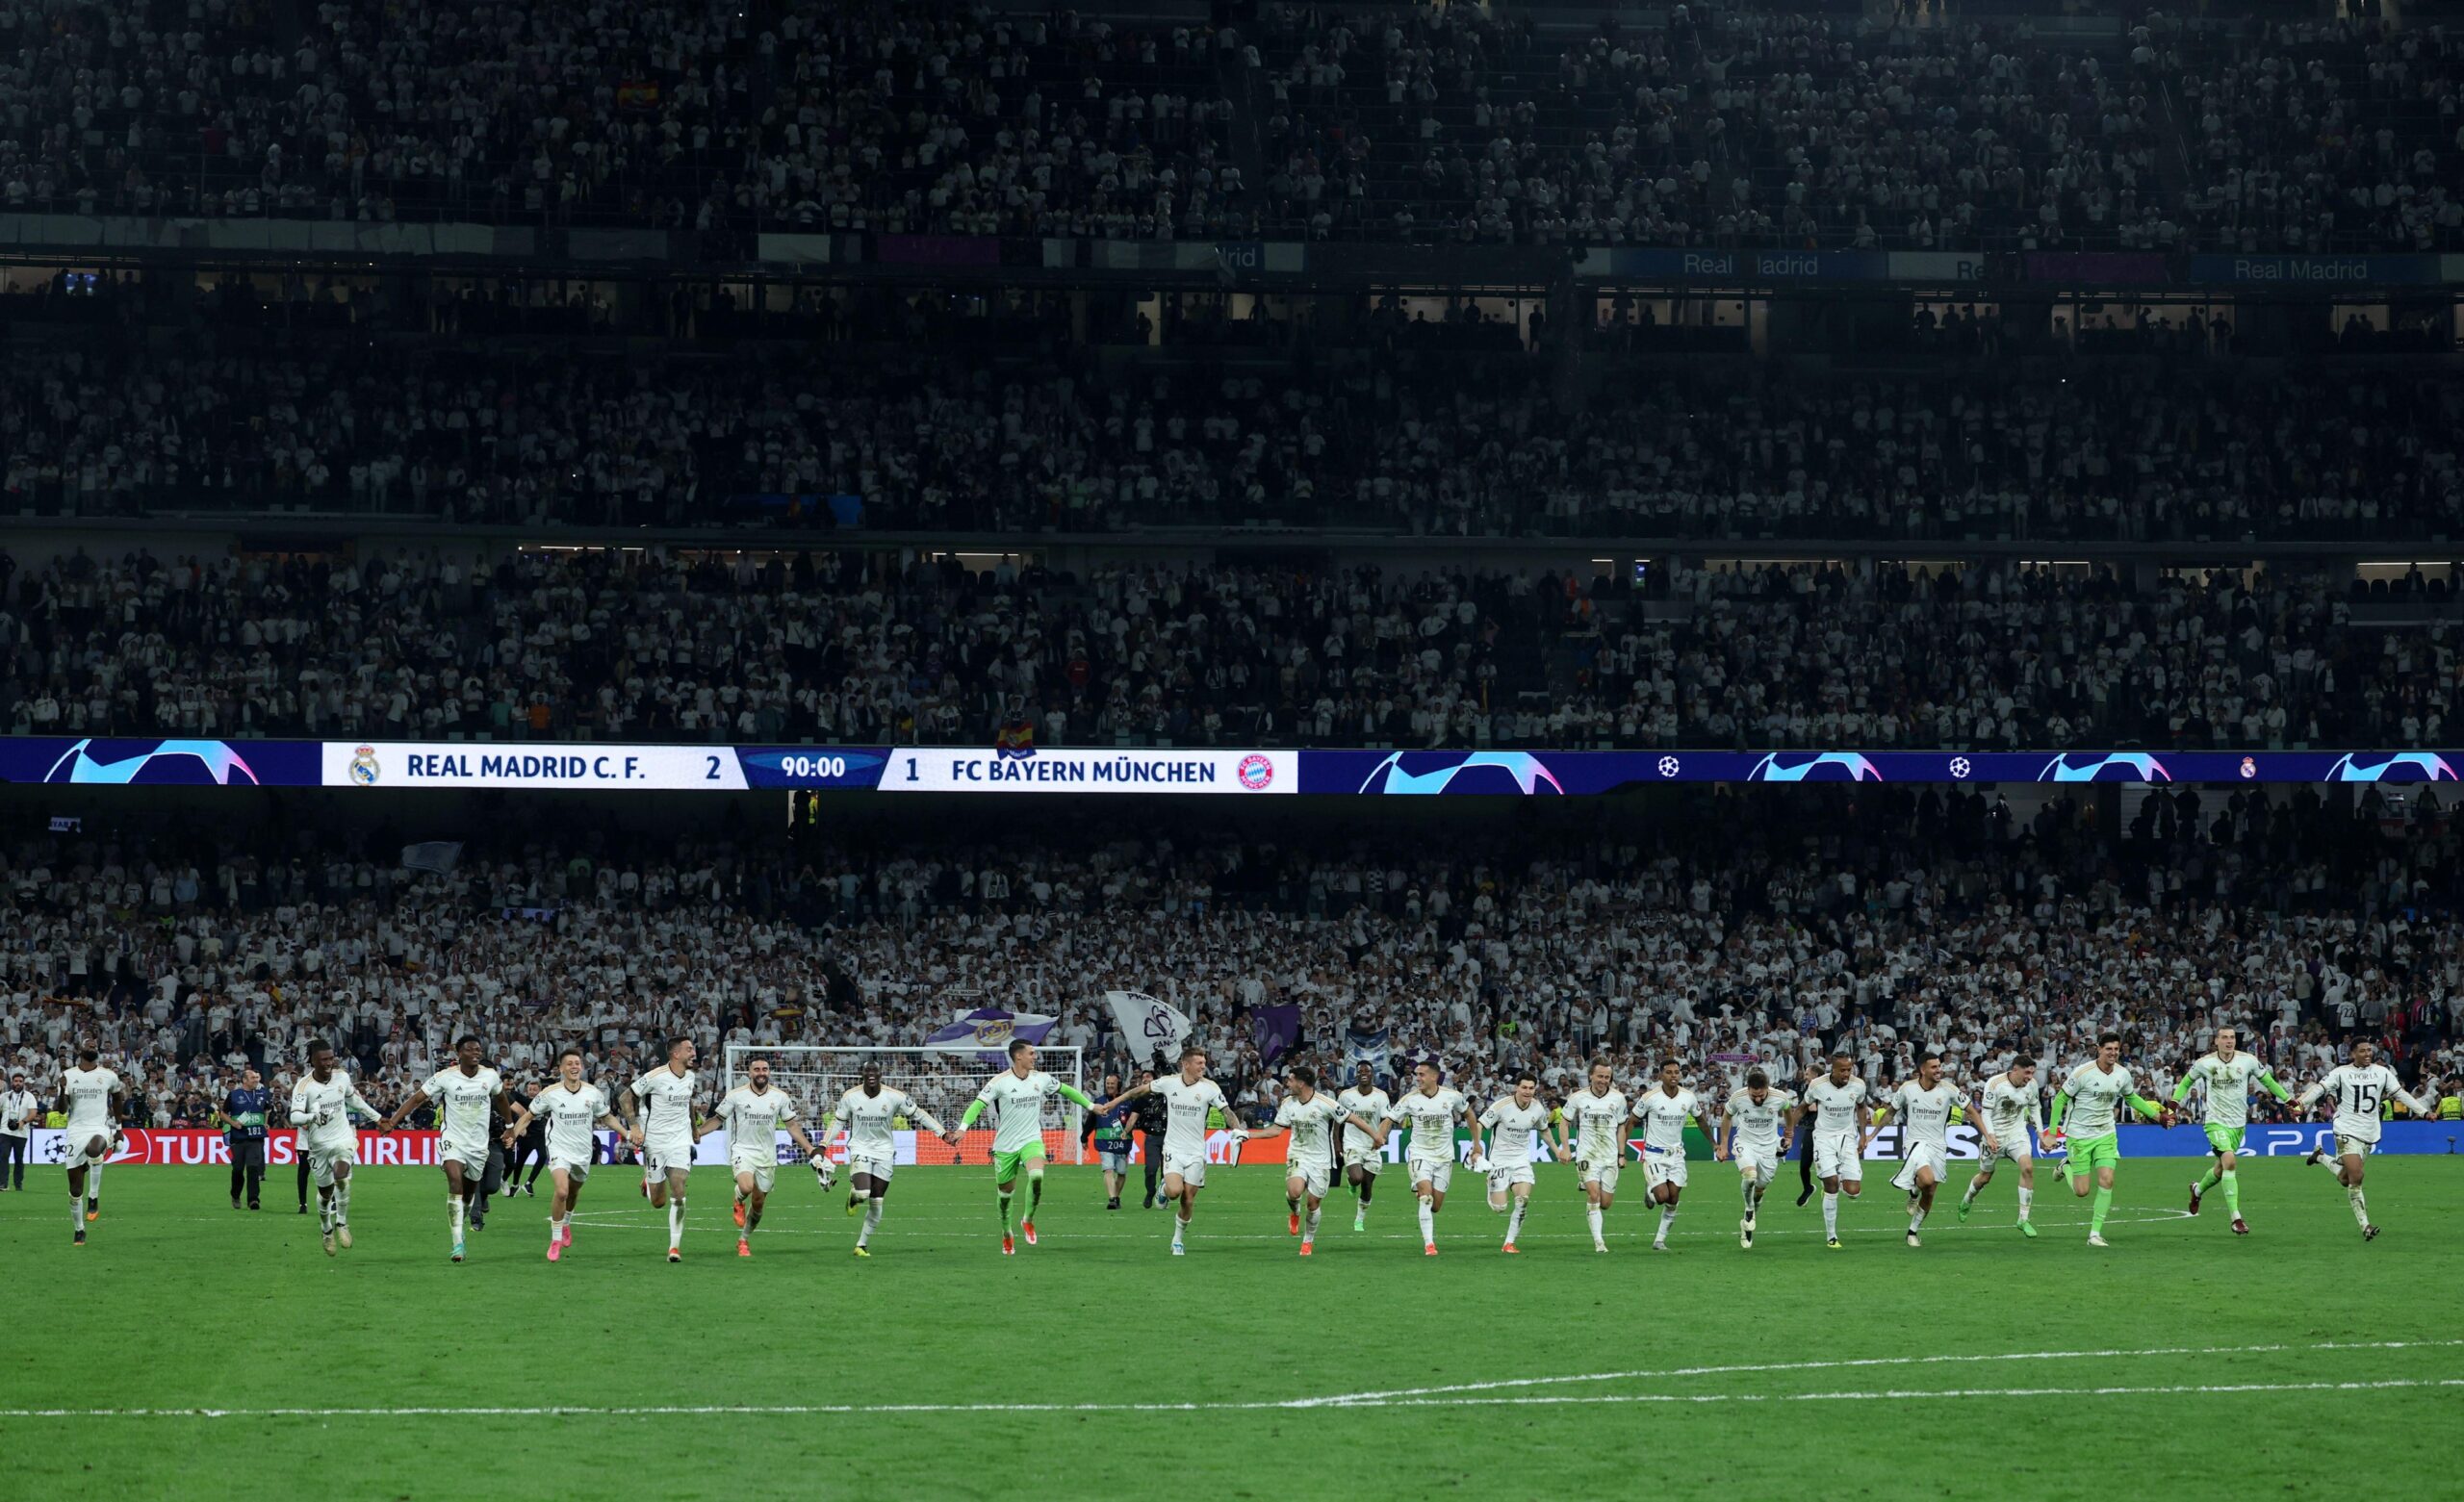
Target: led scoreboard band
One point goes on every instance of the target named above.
(547, 766)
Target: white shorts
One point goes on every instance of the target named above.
(1312, 1175)
(875, 1168)
(673, 1156)
(763, 1166)
(1660, 1168)
(322, 1164)
(1921, 1155)
(2353, 1147)
(2012, 1149)
(78, 1158)
(575, 1171)
(1837, 1157)
(472, 1155)
(1435, 1172)
(1603, 1175)
(1759, 1164)
(1191, 1171)
(1502, 1179)
(1363, 1156)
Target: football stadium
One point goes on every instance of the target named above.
(963, 751)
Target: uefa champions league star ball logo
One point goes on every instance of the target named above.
(1959, 767)
(364, 768)
(1255, 773)
(1668, 766)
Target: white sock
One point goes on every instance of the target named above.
(1429, 1225)
(1667, 1218)
(1916, 1217)
(1591, 1213)
(1746, 1186)
(555, 1228)
(2360, 1211)
(1514, 1222)
(454, 1213)
(77, 1211)
(1830, 1216)
(676, 1220)
(1180, 1227)
(2027, 1201)
(872, 1220)
(1309, 1224)
(1969, 1198)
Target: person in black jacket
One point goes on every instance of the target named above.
(1146, 1116)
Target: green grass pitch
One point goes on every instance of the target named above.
(2182, 1360)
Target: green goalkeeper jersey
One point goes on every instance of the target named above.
(2228, 1089)
(2094, 1096)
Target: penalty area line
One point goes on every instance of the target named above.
(1466, 1400)
(1663, 1373)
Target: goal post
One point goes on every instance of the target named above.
(941, 1080)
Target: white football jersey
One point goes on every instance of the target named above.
(872, 1120)
(571, 1115)
(1664, 1118)
(1838, 1109)
(1757, 1127)
(1924, 1115)
(1599, 1124)
(1371, 1104)
(1185, 1118)
(2009, 1109)
(90, 1103)
(334, 1099)
(1312, 1122)
(2361, 1095)
(753, 1117)
(465, 1100)
(666, 1104)
(1509, 1144)
(1432, 1119)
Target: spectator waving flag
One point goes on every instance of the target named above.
(1370, 1047)
(1147, 1025)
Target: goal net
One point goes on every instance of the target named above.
(941, 1081)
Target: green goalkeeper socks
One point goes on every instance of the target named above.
(2232, 1192)
(2096, 1208)
(1004, 1211)
(2207, 1181)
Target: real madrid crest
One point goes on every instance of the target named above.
(364, 770)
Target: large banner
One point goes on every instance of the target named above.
(1247, 772)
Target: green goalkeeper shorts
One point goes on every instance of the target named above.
(2089, 1153)
(2224, 1139)
(1006, 1165)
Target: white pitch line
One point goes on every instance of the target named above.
(792, 1409)
(1388, 1395)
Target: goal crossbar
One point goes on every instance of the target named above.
(942, 1082)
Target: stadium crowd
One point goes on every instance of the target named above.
(1426, 123)
(1728, 932)
(865, 649)
(939, 443)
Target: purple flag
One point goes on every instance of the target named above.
(1277, 1028)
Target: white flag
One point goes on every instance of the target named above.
(1148, 1024)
